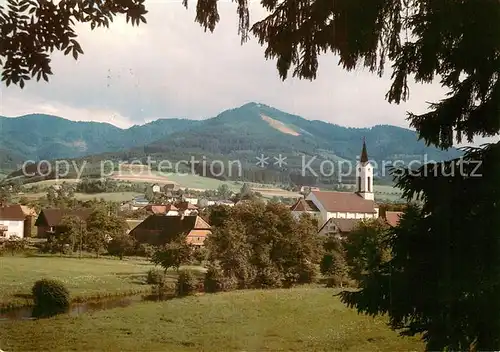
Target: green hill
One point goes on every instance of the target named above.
(241, 134)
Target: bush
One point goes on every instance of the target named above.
(144, 250)
(187, 283)
(215, 281)
(163, 290)
(15, 245)
(51, 297)
(155, 277)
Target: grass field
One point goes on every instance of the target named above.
(84, 277)
(299, 319)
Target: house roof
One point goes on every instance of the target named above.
(160, 229)
(344, 202)
(304, 205)
(343, 225)
(52, 217)
(12, 212)
(28, 211)
(197, 237)
(392, 217)
(132, 223)
(186, 206)
(160, 209)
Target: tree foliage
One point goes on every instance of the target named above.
(31, 30)
(264, 246)
(367, 248)
(443, 279)
(102, 227)
(121, 244)
(173, 254)
(71, 232)
(333, 265)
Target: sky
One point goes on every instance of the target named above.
(170, 67)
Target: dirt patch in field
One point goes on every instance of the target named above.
(275, 192)
(280, 126)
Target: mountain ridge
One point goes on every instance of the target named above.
(241, 132)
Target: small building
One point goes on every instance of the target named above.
(159, 230)
(12, 222)
(190, 199)
(49, 219)
(162, 209)
(170, 187)
(229, 203)
(338, 227)
(307, 189)
(302, 206)
(186, 208)
(156, 188)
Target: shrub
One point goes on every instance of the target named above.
(187, 283)
(51, 297)
(144, 250)
(216, 281)
(155, 277)
(163, 290)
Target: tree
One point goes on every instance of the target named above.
(173, 254)
(228, 247)
(367, 247)
(264, 246)
(333, 264)
(102, 227)
(223, 191)
(443, 277)
(31, 30)
(71, 232)
(5, 194)
(121, 244)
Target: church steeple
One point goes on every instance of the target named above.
(364, 153)
(364, 173)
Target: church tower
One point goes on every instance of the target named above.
(364, 176)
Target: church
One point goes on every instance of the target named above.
(339, 212)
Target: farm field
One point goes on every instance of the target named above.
(298, 319)
(84, 277)
(111, 196)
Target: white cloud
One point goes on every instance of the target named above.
(171, 68)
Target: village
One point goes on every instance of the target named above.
(175, 212)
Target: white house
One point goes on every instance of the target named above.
(11, 221)
(343, 205)
(156, 188)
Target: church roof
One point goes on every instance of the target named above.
(364, 153)
(344, 202)
(304, 205)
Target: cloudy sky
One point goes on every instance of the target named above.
(171, 68)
